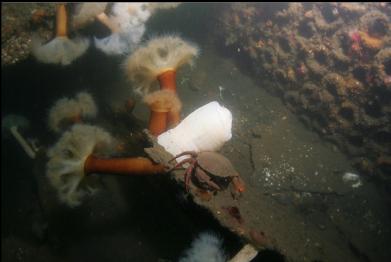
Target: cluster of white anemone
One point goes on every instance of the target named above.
(127, 25)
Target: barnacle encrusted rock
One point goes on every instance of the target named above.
(329, 61)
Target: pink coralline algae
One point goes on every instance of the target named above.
(387, 80)
(355, 47)
(301, 70)
(355, 36)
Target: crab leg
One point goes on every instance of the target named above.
(188, 172)
(187, 160)
(192, 153)
(201, 175)
(187, 177)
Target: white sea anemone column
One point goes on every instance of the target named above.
(205, 129)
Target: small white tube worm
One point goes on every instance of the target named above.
(246, 254)
(26, 147)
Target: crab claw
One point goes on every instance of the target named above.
(238, 184)
(238, 187)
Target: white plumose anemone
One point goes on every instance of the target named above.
(82, 106)
(65, 169)
(60, 50)
(130, 19)
(166, 5)
(205, 129)
(207, 247)
(115, 44)
(129, 15)
(157, 56)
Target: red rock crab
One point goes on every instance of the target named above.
(211, 170)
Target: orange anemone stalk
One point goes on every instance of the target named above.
(122, 166)
(167, 80)
(61, 21)
(165, 107)
(76, 118)
(173, 118)
(157, 122)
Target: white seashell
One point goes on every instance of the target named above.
(205, 129)
(352, 178)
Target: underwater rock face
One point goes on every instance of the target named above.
(18, 21)
(330, 62)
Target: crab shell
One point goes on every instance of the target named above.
(216, 164)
